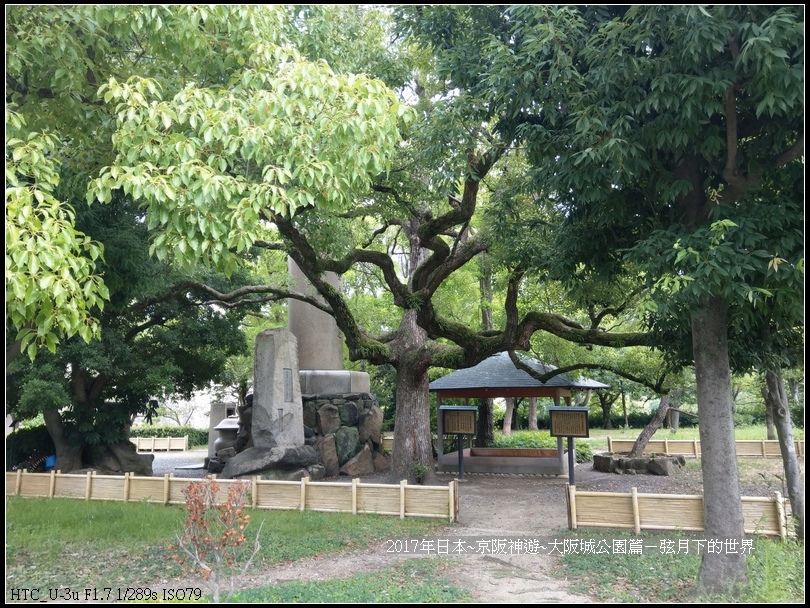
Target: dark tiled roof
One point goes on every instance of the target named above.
(499, 372)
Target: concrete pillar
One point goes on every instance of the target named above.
(320, 344)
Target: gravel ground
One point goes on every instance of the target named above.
(171, 462)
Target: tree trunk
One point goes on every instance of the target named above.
(675, 420)
(770, 404)
(485, 431)
(778, 402)
(793, 384)
(624, 408)
(649, 430)
(606, 403)
(68, 456)
(720, 572)
(532, 413)
(507, 416)
(412, 452)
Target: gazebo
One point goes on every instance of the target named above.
(495, 377)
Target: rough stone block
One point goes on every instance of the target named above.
(349, 413)
(328, 419)
(347, 441)
(361, 464)
(329, 456)
(380, 461)
(370, 426)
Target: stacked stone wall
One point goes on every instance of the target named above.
(346, 430)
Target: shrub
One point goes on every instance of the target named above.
(27, 444)
(214, 532)
(539, 440)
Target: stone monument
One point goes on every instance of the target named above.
(308, 416)
(277, 418)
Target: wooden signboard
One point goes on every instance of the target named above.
(568, 421)
(459, 420)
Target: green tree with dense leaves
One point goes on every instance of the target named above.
(671, 140)
(293, 155)
(78, 271)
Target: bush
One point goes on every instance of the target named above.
(195, 436)
(26, 444)
(539, 441)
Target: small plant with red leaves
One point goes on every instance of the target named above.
(214, 534)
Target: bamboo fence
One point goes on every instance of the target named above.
(156, 444)
(691, 447)
(762, 515)
(401, 500)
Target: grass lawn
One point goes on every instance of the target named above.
(69, 543)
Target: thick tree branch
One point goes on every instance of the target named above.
(462, 255)
(653, 385)
(382, 261)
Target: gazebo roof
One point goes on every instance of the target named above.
(498, 376)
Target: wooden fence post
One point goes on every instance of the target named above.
(572, 507)
(88, 485)
(780, 514)
(451, 499)
(304, 481)
(166, 489)
(696, 443)
(254, 491)
(402, 485)
(18, 483)
(636, 515)
(53, 483)
(126, 487)
(355, 481)
(610, 444)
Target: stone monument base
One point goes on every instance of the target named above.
(333, 381)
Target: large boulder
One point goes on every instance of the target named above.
(380, 462)
(255, 460)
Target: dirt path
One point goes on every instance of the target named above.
(516, 507)
(493, 509)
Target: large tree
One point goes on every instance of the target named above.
(77, 271)
(293, 155)
(669, 131)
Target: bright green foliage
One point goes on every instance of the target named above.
(51, 281)
(210, 163)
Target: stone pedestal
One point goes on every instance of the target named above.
(333, 382)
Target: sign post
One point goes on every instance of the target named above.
(458, 420)
(569, 422)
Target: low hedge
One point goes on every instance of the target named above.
(540, 441)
